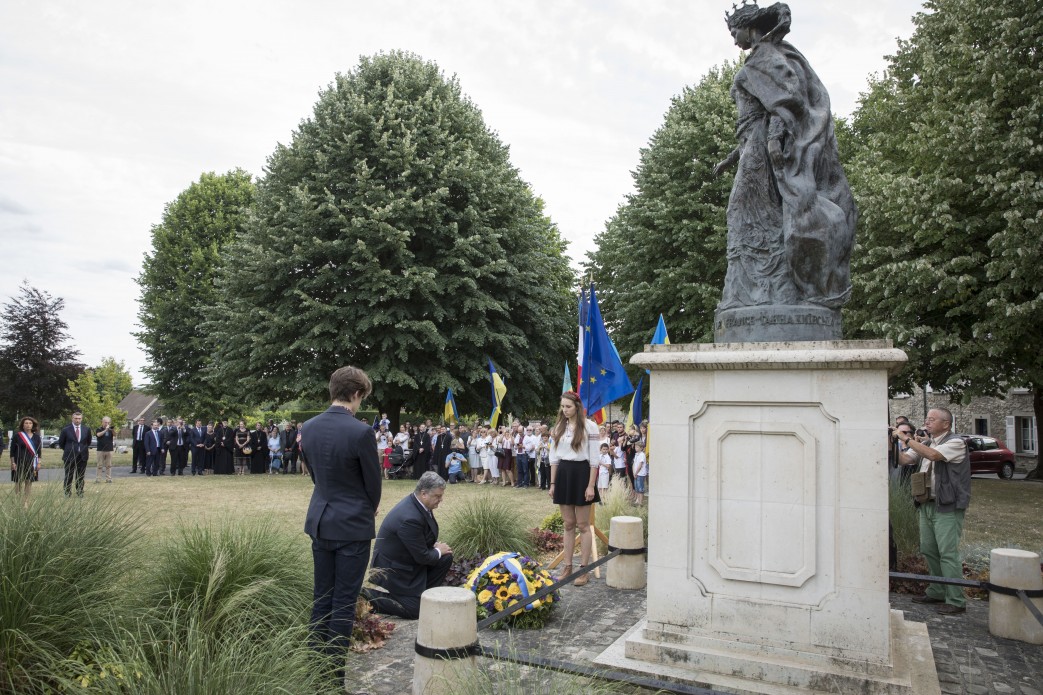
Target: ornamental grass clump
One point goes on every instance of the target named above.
(64, 566)
(617, 502)
(232, 576)
(506, 578)
(902, 514)
(174, 651)
(487, 524)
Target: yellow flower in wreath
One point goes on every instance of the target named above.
(514, 590)
(503, 593)
(484, 596)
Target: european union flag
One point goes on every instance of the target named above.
(604, 378)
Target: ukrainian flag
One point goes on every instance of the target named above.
(499, 390)
(451, 414)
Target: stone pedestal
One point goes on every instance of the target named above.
(1008, 616)
(448, 623)
(767, 548)
(627, 571)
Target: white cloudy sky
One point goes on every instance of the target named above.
(109, 109)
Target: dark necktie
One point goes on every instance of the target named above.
(179, 436)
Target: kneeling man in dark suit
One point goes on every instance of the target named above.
(408, 558)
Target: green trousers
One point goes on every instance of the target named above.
(940, 546)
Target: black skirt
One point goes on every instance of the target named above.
(571, 482)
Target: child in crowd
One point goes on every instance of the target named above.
(619, 461)
(543, 459)
(604, 470)
(640, 476)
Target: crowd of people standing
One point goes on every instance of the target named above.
(215, 448)
(516, 455)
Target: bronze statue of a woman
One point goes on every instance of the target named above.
(791, 216)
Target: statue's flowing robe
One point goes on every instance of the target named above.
(790, 226)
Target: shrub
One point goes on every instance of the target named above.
(616, 502)
(230, 574)
(487, 524)
(547, 541)
(902, 515)
(553, 522)
(369, 631)
(461, 568)
(173, 651)
(64, 563)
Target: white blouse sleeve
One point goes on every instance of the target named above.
(593, 443)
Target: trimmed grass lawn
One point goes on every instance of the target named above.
(1003, 513)
(168, 503)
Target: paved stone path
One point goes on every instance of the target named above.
(969, 660)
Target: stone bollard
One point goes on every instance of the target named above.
(626, 571)
(446, 641)
(1008, 616)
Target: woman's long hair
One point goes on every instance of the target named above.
(21, 425)
(579, 431)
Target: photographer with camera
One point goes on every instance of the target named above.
(104, 436)
(941, 487)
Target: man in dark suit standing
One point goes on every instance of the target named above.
(74, 441)
(197, 440)
(155, 448)
(408, 555)
(178, 443)
(138, 446)
(343, 464)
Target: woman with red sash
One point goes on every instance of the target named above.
(25, 457)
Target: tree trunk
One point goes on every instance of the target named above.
(1037, 409)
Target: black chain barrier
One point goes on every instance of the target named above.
(1026, 595)
(579, 669)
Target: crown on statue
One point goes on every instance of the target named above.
(740, 9)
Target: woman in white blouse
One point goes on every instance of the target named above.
(574, 457)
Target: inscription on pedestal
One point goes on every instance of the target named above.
(758, 324)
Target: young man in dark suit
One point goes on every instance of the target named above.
(408, 555)
(74, 441)
(343, 464)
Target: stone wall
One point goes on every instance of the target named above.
(993, 411)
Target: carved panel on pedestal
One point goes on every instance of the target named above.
(757, 469)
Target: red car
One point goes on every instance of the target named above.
(989, 455)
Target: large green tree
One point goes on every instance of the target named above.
(36, 365)
(664, 250)
(393, 233)
(178, 293)
(97, 392)
(948, 174)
